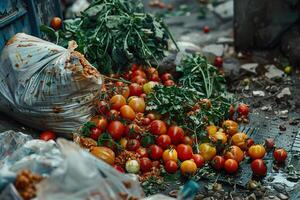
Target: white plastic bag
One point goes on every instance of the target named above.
(46, 86)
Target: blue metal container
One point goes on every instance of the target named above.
(25, 16)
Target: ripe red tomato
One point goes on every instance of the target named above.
(95, 133)
(218, 162)
(176, 134)
(188, 140)
(163, 141)
(171, 166)
(145, 164)
(100, 121)
(131, 131)
(142, 152)
(249, 142)
(154, 78)
(155, 152)
(199, 160)
(139, 80)
(135, 67)
(259, 167)
(146, 121)
(102, 107)
(138, 72)
(158, 127)
(119, 169)
(135, 89)
(116, 129)
(206, 29)
(47, 135)
(231, 166)
(185, 152)
(56, 23)
(218, 62)
(166, 76)
(151, 71)
(243, 109)
(280, 155)
(133, 145)
(169, 83)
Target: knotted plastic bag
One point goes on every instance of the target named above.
(46, 86)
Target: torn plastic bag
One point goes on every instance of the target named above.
(46, 86)
(83, 176)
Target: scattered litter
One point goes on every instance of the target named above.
(250, 67)
(273, 72)
(284, 92)
(258, 93)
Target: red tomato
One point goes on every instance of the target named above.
(135, 89)
(280, 155)
(188, 140)
(154, 78)
(166, 76)
(231, 166)
(231, 111)
(133, 145)
(176, 134)
(47, 135)
(171, 166)
(249, 142)
(116, 129)
(163, 141)
(139, 80)
(218, 162)
(142, 152)
(243, 110)
(151, 71)
(151, 116)
(119, 169)
(56, 23)
(158, 127)
(169, 83)
(146, 121)
(199, 160)
(155, 152)
(127, 112)
(218, 62)
(185, 152)
(100, 121)
(206, 29)
(138, 72)
(135, 67)
(145, 164)
(131, 131)
(95, 133)
(259, 167)
(102, 107)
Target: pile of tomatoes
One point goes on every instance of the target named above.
(123, 120)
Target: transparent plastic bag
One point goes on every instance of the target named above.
(46, 86)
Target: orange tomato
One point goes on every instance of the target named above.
(257, 151)
(207, 151)
(104, 153)
(100, 121)
(137, 104)
(127, 112)
(219, 136)
(234, 152)
(56, 23)
(188, 167)
(240, 140)
(117, 101)
(231, 166)
(211, 130)
(170, 154)
(230, 127)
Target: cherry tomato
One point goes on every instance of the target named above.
(145, 164)
(47, 135)
(95, 133)
(188, 167)
(139, 80)
(102, 107)
(146, 121)
(243, 109)
(117, 101)
(116, 129)
(135, 89)
(207, 151)
(250, 142)
(199, 160)
(151, 116)
(100, 121)
(188, 140)
(104, 153)
(211, 130)
(163, 141)
(169, 83)
(171, 166)
(155, 152)
(133, 145)
(154, 78)
(113, 114)
(234, 152)
(231, 166)
(176, 134)
(166, 76)
(170, 154)
(137, 104)
(219, 136)
(131, 131)
(259, 167)
(240, 140)
(119, 169)
(138, 72)
(185, 152)
(218, 62)
(127, 112)
(142, 152)
(158, 127)
(230, 127)
(256, 151)
(122, 89)
(280, 155)
(151, 71)
(218, 162)
(206, 29)
(56, 23)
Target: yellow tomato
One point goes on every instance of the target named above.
(137, 104)
(219, 136)
(207, 151)
(230, 127)
(211, 130)
(170, 154)
(240, 140)
(257, 151)
(188, 167)
(147, 88)
(234, 152)
(104, 153)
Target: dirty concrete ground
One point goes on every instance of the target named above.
(256, 78)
